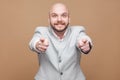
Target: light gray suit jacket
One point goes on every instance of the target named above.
(61, 61)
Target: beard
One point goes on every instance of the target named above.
(57, 24)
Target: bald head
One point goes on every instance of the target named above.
(59, 7)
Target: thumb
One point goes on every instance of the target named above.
(82, 42)
(46, 42)
(42, 40)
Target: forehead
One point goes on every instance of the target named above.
(59, 9)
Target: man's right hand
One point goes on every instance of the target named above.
(42, 45)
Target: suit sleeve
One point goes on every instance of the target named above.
(34, 40)
(81, 35)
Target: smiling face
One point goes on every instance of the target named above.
(59, 17)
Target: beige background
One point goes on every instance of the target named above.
(18, 19)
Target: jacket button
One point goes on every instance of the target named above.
(61, 73)
(59, 61)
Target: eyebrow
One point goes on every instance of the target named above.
(62, 13)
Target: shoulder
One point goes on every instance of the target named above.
(77, 28)
(41, 29)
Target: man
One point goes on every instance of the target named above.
(59, 47)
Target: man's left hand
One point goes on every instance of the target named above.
(84, 45)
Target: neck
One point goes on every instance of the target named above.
(60, 34)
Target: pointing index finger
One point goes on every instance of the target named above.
(42, 40)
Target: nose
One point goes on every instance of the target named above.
(59, 18)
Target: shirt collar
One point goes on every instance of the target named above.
(58, 36)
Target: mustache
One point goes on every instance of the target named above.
(59, 23)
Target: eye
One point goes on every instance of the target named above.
(65, 15)
(54, 15)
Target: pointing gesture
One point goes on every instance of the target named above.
(42, 44)
(84, 45)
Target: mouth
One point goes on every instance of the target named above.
(59, 25)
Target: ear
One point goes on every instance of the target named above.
(69, 19)
(48, 20)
